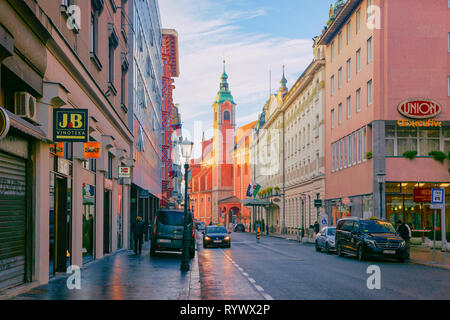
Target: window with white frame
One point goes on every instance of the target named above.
(332, 51)
(332, 118)
(340, 113)
(345, 152)
(332, 157)
(449, 86)
(341, 154)
(349, 69)
(349, 139)
(359, 145)
(354, 147)
(349, 107)
(358, 20)
(369, 93)
(349, 31)
(340, 78)
(449, 41)
(369, 50)
(358, 60)
(332, 84)
(358, 100)
(364, 142)
(340, 42)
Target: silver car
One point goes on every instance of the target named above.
(325, 239)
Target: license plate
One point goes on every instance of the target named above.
(164, 241)
(389, 251)
(217, 241)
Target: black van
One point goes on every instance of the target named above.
(168, 229)
(366, 238)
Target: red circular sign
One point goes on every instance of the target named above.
(419, 108)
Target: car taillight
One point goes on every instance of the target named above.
(154, 227)
(193, 231)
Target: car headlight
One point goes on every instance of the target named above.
(370, 242)
(207, 238)
(227, 238)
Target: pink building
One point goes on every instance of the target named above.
(375, 60)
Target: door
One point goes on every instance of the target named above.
(107, 222)
(62, 226)
(347, 235)
(13, 220)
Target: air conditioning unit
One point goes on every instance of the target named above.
(25, 106)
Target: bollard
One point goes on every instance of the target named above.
(258, 233)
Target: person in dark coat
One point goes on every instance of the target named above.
(316, 227)
(138, 233)
(405, 233)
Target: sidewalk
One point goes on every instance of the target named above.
(418, 254)
(126, 276)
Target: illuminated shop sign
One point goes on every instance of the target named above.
(57, 149)
(70, 125)
(92, 150)
(419, 123)
(419, 108)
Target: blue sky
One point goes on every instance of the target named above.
(253, 36)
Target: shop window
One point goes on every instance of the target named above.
(406, 139)
(428, 140)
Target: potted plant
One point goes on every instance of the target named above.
(369, 155)
(410, 154)
(438, 156)
(269, 191)
(277, 190)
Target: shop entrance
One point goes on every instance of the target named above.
(60, 224)
(107, 222)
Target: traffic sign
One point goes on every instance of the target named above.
(317, 203)
(437, 198)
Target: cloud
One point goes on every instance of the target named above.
(211, 31)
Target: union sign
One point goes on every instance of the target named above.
(419, 108)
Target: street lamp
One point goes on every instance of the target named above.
(381, 177)
(186, 151)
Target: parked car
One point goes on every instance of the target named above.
(216, 236)
(201, 226)
(239, 227)
(366, 238)
(325, 239)
(167, 234)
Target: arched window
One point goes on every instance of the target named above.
(226, 115)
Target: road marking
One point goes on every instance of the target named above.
(251, 280)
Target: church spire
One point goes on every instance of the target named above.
(224, 93)
(283, 82)
(224, 77)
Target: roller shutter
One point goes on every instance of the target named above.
(12, 221)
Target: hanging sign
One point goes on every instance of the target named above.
(419, 108)
(70, 125)
(4, 123)
(124, 172)
(57, 149)
(92, 150)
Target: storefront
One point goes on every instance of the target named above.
(60, 205)
(355, 206)
(400, 205)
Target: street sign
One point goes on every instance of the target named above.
(437, 198)
(70, 125)
(318, 203)
(4, 123)
(124, 172)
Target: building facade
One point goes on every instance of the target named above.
(304, 146)
(64, 209)
(375, 74)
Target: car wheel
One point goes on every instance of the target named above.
(327, 249)
(339, 250)
(361, 254)
(317, 247)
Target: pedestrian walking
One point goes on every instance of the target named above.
(138, 233)
(405, 232)
(316, 227)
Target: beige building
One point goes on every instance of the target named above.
(304, 154)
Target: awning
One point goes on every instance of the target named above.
(26, 127)
(232, 199)
(256, 202)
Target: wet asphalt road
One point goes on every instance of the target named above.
(277, 269)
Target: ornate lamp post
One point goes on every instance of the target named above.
(186, 151)
(381, 177)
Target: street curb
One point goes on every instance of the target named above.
(429, 264)
(194, 290)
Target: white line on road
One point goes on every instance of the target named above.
(251, 280)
